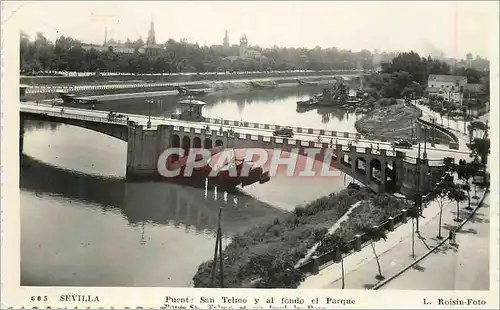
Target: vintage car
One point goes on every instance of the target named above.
(405, 144)
(284, 132)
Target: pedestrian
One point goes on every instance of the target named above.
(451, 236)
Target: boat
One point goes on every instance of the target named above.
(67, 97)
(263, 85)
(72, 98)
(308, 103)
(221, 176)
(306, 83)
(190, 92)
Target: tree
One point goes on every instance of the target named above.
(481, 148)
(456, 194)
(375, 234)
(341, 247)
(477, 125)
(465, 172)
(414, 214)
(440, 192)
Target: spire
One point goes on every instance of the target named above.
(226, 40)
(105, 35)
(151, 35)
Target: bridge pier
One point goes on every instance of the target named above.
(143, 149)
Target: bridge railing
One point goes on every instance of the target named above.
(74, 115)
(302, 130)
(294, 143)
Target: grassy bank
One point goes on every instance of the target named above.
(269, 252)
(391, 121)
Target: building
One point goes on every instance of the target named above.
(244, 52)
(447, 82)
(150, 48)
(449, 87)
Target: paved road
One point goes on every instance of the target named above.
(464, 267)
(435, 153)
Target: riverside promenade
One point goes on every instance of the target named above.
(395, 253)
(464, 266)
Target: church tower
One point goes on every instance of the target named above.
(151, 35)
(243, 46)
(225, 44)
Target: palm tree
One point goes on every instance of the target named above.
(375, 234)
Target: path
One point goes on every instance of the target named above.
(461, 267)
(395, 253)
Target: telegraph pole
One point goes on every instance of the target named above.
(418, 193)
(218, 250)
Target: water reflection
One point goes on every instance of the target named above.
(160, 203)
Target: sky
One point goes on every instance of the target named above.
(428, 27)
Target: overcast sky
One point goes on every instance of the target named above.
(453, 27)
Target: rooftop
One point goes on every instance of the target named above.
(446, 78)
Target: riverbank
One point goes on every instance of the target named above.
(172, 78)
(43, 92)
(393, 121)
(267, 254)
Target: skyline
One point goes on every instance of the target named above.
(384, 26)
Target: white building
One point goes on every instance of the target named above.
(447, 82)
(449, 87)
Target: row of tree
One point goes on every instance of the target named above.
(69, 54)
(405, 76)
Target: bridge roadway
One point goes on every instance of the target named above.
(434, 154)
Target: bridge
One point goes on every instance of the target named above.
(375, 163)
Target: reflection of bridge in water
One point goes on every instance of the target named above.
(161, 203)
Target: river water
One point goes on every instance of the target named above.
(82, 224)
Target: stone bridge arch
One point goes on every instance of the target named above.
(219, 142)
(207, 144)
(360, 165)
(197, 142)
(375, 171)
(186, 144)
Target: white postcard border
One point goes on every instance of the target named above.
(13, 295)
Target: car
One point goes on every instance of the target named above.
(402, 144)
(284, 132)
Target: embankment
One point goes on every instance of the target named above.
(393, 121)
(171, 78)
(265, 256)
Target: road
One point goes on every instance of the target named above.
(433, 153)
(461, 267)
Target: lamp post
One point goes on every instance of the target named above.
(149, 101)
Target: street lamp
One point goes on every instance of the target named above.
(149, 102)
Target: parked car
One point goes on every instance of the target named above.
(405, 144)
(284, 132)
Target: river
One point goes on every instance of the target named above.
(82, 224)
